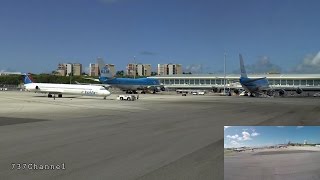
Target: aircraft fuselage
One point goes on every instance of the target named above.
(254, 85)
(132, 84)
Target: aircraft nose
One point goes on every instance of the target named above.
(104, 92)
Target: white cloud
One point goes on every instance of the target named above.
(280, 126)
(246, 136)
(310, 64)
(233, 137)
(255, 134)
(299, 127)
(235, 140)
(226, 127)
(263, 65)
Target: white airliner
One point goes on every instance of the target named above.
(74, 89)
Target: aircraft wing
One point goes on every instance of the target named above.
(103, 85)
(252, 80)
(93, 79)
(292, 88)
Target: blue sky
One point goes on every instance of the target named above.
(255, 136)
(36, 35)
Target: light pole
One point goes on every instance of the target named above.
(70, 74)
(134, 67)
(224, 84)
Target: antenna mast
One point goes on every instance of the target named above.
(224, 84)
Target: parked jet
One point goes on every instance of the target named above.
(59, 89)
(252, 85)
(127, 84)
(260, 86)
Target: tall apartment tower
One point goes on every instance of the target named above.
(147, 70)
(169, 69)
(162, 69)
(61, 69)
(131, 70)
(93, 69)
(77, 69)
(67, 69)
(143, 69)
(139, 69)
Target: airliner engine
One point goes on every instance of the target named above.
(282, 92)
(299, 90)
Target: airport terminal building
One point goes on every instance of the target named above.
(214, 81)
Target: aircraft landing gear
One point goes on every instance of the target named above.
(105, 97)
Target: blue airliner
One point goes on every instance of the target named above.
(254, 86)
(128, 84)
(260, 86)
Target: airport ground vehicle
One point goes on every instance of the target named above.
(127, 97)
(243, 93)
(316, 95)
(197, 92)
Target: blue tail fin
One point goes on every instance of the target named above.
(242, 69)
(27, 79)
(104, 70)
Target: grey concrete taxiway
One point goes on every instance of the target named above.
(156, 137)
(273, 165)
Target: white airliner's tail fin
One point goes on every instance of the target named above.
(104, 70)
(27, 79)
(242, 69)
